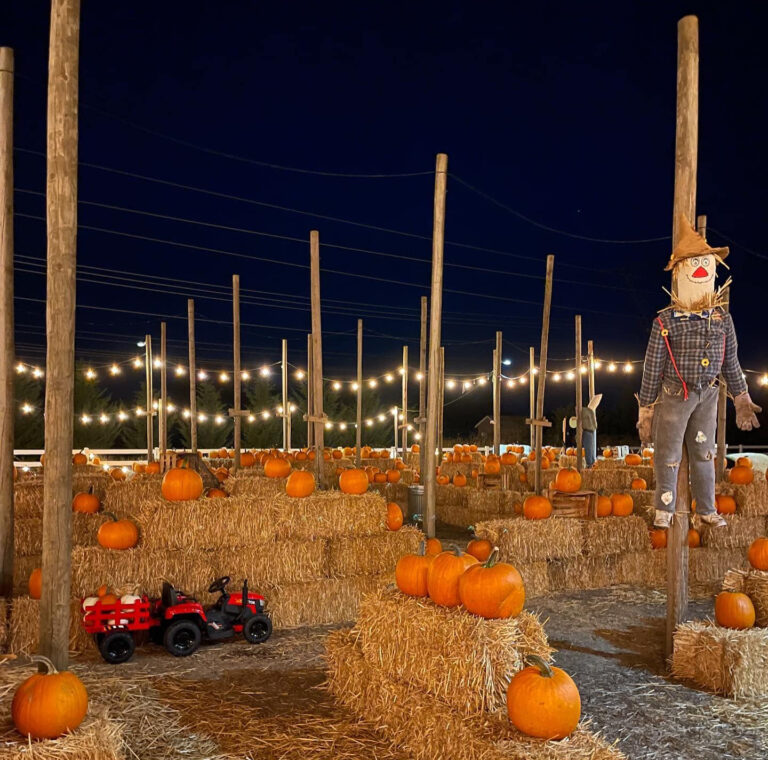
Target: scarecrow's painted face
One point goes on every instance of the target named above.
(694, 281)
(699, 270)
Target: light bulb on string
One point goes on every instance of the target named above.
(202, 375)
(180, 371)
(299, 374)
(611, 367)
(388, 377)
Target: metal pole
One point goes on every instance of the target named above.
(192, 375)
(422, 383)
(359, 415)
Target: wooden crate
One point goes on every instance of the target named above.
(500, 481)
(581, 504)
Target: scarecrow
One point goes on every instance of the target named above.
(692, 341)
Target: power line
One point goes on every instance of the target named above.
(733, 242)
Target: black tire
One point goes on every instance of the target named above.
(257, 629)
(182, 638)
(117, 647)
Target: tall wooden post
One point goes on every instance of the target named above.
(148, 374)
(422, 421)
(192, 375)
(532, 392)
(404, 428)
(359, 415)
(441, 407)
(63, 65)
(428, 475)
(8, 349)
(591, 367)
(310, 396)
(286, 402)
(395, 422)
(578, 384)
(539, 423)
(237, 380)
(163, 409)
(317, 357)
(686, 159)
(497, 395)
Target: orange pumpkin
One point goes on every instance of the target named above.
(744, 462)
(416, 449)
(117, 473)
(443, 576)
(80, 458)
(607, 453)
(434, 546)
(734, 610)
(622, 504)
(537, 508)
(215, 493)
(118, 534)
(725, 504)
(492, 466)
(380, 477)
(758, 554)
(394, 475)
(480, 549)
(247, 459)
(139, 467)
(508, 458)
(604, 506)
(86, 502)
(658, 538)
(394, 516)
(181, 485)
(411, 572)
(152, 468)
(568, 480)
(633, 460)
(459, 480)
(301, 456)
(443, 480)
(741, 474)
(639, 484)
(300, 483)
(277, 468)
(353, 481)
(35, 583)
(694, 538)
(492, 590)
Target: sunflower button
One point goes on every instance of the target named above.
(705, 362)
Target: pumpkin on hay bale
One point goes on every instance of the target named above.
(181, 485)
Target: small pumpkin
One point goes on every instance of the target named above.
(459, 480)
(658, 538)
(639, 484)
(394, 475)
(300, 484)
(492, 466)
(443, 576)
(117, 473)
(277, 468)
(411, 572)
(86, 502)
(118, 534)
(744, 462)
(622, 504)
(492, 590)
(416, 449)
(380, 477)
(537, 508)
(35, 583)
(741, 474)
(568, 480)
(215, 493)
(734, 610)
(181, 485)
(543, 701)
(394, 516)
(604, 506)
(607, 453)
(80, 458)
(434, 546)
(152, 468)
(247, 459)
(508, 458)
(443, 480)
(353, 481)
(480, 549)
(694, 538)
(49, 704)
(633, 460)
(725, 504)
(758, 554)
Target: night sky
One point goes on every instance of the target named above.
(562, 115)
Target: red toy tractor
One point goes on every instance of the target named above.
(177, 621)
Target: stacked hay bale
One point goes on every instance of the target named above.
(434, 680)
(753, 583)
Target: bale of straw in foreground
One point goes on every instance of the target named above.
(723, 660)
(751, 499)
(740, 532)
(754, 583)
(124, 496)
(450, 654)
(24, 627)
(426, 728)
(522, 541)
(536, 578)
(614, 535)
(248, 483)
(28, 538)
(371, 555)
(583, 573)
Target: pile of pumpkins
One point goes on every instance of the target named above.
(542, 700)
(735, 609)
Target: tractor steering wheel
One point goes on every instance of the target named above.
(220, 584)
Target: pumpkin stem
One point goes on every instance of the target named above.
(455, 549)
(112, 515)
(90, 489)
(493, 557)
(545, 669)
(50, 668)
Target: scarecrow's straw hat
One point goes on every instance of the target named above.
(692, 244)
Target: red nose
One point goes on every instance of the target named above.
(700, 272)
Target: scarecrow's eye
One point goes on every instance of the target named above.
(705, 262)
(694, 263)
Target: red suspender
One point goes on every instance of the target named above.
(664, 333)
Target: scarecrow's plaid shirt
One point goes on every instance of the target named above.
(703, 346)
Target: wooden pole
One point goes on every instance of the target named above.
(395, 424)
(686, 159)
(163, 410)
(532, 392)
(237, 379)
(359, 415)
(578, 384)
(63, 65)
(8, 350)
(404, 429)
(436, 308)
(317, 357)
(539, 422)
(192, 375)
(423, 383)
(286, 403)
(497, 395)
(310, 397)
(441, 407)
(591, 367)
(148, 373)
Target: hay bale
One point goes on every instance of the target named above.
(740, 533)
(522, 541)
(449, 495)
(425, 728)
(127, 495)
(24, 627)
(535, 577)
(28, 495)
(275, 562)
(22, 568)
(751, 499)
(254, 486)
(723, 660)
(710, 565)
(28, 532)
(371, 555)
(754, 583)
(5, 606)
(583, 573)
(614, 535)
(396, 492)
(452, 655)
(647, 568)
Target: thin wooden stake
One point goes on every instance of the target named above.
(148, 374)
(591, 367)
(436, 310)
(192, 375)
(237, 380)
(441, 407)
(63, 65)
(543, 368)
(286, 402)
(422, 421)
(310, 397)
(8, 350)
(359, 414)
(497, 395)
(317, 357)
(163, 409)
(532, 392)
(404, 428)
(686, 159)
(578, 384)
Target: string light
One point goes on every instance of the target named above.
(299, 374)
(510, 383)
(523, 380)
(90, 374)
(450, 384)
(329, 426)
(337, 386)
(535, 370)
(20, 368)
(598, 364)
(156, 363)
(482, 380)
(292, 407)
(382, 418)
(223, 377)
(122, 416)
(85, 419)
(265, 415)
(37, 372)
(170, 407)
(355, 386)
(26, 408)
(202, 375)
(245, 376)
(401, 370)
(138, 363)
(583, 370)
(264, 371)
(388, 377)
(556, 377)
(201, 417)
(466, 385)
(114, 370)
(180, 371)
(251, 418)
(419, 377)
(764, 380)
(628, 367)
(103, 419)
(372, 383)
(218, 419)
(342, 426)
(417, 436)
(154, 405)
(369, 423)
(611, 367)
(139, 411)
(570, 376)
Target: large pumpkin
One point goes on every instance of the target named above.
(734, 610)
(181, 485)
(444, 574)
(537, 508)
(49, 704)
(543, 701)
(725, 504)
(411, 572)
(86, 502)
(118, 534)
(353, 481)
(508, 458)
(622, 504)
(300, 483)
(568, 480)
(35, 583)
(277, 468)
(394, 516)
(492, 590)
(758, 554)
(741, 475)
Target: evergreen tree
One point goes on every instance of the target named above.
(210, 434)
(93, 399)
(262, 433)
(28, 427)
(133, 432)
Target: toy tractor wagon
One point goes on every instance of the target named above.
(177, 621)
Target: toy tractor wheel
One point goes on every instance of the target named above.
(116, 647)
(257, 629)
(182, 638)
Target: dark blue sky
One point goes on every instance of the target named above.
(563, 112)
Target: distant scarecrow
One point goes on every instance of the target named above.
(692, 341)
